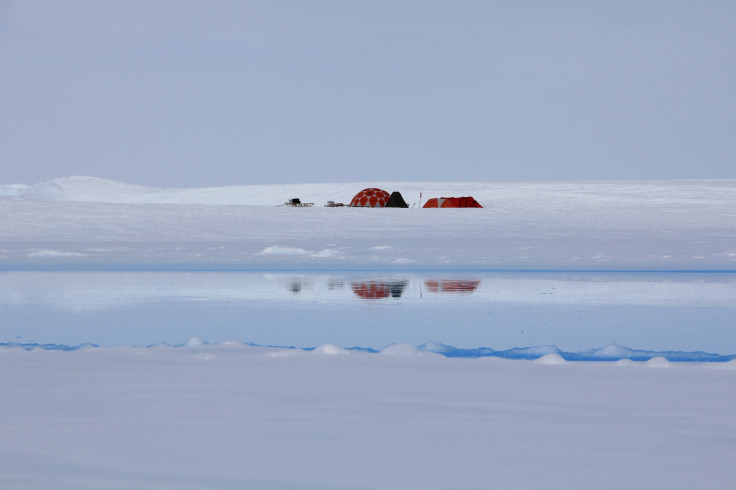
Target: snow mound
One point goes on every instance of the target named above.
(330, 350)
(196, 341)
(658, 362)
(552, 358)
(614, 352)
(624, 362)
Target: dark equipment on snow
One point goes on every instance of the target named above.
(297, 203)
(396, 201)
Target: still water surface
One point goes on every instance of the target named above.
(573, 311)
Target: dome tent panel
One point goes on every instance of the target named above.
(435, 202)
(371, 197)
(468, 202)
(452, 202)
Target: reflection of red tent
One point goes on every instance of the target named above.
(451, 286)
(452, 202)
(378, 289)
(371, 198)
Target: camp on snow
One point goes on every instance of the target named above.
(452, 202)
(373, 197)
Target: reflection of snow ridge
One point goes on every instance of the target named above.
(608, 353)
(550, 352)
(61, 347)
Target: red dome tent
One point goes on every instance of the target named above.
(371, 198)
(452, 202)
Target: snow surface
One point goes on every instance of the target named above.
(94, 223)
(237, 416)
(232, 416)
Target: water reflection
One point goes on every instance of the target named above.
(84, 291)
(451, 285)
(379, 289)
(573, 311)
(296, 286)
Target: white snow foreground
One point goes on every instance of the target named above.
(232, 416)
(95, 223)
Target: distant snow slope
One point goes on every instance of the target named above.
(89, 222)
(549, 194)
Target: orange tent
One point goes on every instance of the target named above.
(452, 202)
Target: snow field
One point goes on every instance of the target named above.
(232, 416)
(94, 223)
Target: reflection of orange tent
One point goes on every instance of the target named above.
(452, 202)
(378, 289)
(371, 198)
(451, 286)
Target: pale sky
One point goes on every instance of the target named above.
(182, 93)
